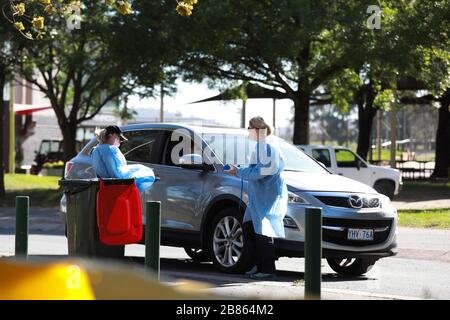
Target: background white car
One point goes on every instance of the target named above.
(343, 161)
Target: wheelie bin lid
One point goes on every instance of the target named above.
(92, 181)
(78, 182)
(74, 186)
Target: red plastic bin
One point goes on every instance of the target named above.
(119, 212)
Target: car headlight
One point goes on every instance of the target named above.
(295, 198)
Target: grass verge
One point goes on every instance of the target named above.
(437, 218)
(43, 191)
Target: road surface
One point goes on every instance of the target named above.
(421, 270)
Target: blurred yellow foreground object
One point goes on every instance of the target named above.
(88, 279)
(31, 281)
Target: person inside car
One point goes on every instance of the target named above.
(109, 162)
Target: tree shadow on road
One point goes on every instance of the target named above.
(205, 272)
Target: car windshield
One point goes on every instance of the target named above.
(237, 149)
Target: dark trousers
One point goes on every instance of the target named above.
(264, 249)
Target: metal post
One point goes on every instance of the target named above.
(313, 252)
(22, 213)
(152, 235)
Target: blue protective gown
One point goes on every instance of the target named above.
(109, 162)
(267, 191)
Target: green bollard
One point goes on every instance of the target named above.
(22, 213)
(313, 253)
(152, 235)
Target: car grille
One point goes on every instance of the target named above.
(343, 202)
(381, 227)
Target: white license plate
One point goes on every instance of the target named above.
(360, 234)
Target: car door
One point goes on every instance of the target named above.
(179, 189)
(350, 165)
(143, 147)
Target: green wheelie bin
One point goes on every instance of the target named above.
(81, 221)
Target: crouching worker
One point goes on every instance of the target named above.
(109, 162)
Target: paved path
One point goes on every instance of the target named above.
(420, 205)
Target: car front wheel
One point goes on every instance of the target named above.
(231, 252)
(385, 187)
(351, 266)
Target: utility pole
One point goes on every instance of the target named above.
(12, 131)
(161, 110)
(393, 114)
(274, 113)
(124, 119)
(243, 113)
(244, 104)
(379, 135)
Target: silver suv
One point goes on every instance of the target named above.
(202, 207)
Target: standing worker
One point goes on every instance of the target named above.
(268, 199)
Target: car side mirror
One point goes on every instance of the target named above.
(193, 161)
(322, 164)
(358, 164)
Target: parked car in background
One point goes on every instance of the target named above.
(344, 162)
(49, 154)
(202, 207)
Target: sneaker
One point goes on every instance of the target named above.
(252, 271)
(263, 276)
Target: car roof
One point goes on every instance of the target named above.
(195, 128)
(153, 125)
(320, 146)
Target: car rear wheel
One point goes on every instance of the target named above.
(196, 254)
(385, 187)
(229, 248)
(351, 266)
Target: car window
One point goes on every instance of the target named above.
(140, 145)
(167, 157)
(237, 149)
(230, 149)
(322, 155)
(50, 146)
(345, 158)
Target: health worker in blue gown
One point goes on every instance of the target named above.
(267, 198)
(109, 162)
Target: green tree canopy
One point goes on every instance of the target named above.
(82, 70)
(294, 46)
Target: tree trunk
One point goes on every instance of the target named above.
(301, 119)
(69, 132)
(442, 159)
(2, 120)
(366, 113)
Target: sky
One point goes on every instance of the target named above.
(228, 113)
